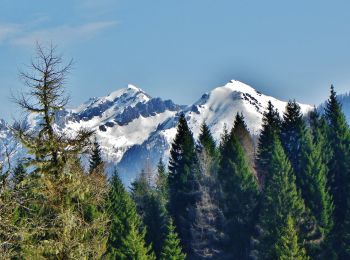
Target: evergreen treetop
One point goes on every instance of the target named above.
(206, 140)
(172, 248)
(271, 124)
(338, 138)
(292, 130)
(242, 134)
(96, 158)
(240, 195)
(126, 236)
(183, 181)
(287, 246)
(280, 199)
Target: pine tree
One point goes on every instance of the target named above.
(126, 237)
(152, 209)
(313, 183)
(172, 248)
(133, 246)
(155, 220)
(319, 131)
(96, 159)
(339, 169)
(242, 134)
(309, 167)
(240, 195)
(19, 173)
(206, 140)
(162, 187)
(280, 199)
(140, 189)
(183, 181)
(292, 130)
(270, 126)
(287, 246)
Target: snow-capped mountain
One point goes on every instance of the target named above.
(217, 108)
(121, 120)
(134, 129)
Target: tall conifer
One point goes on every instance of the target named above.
(206, 140)
(287, 246)
(96, 159)
(183, 181)
(339, 170)
(280, 200)
(271, 124)
(240, 195)
(292, 130)
(126, 236)
(172, 247)
(242, 134)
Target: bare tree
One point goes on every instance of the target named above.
(208, 238)
(63, 207)
(45, 80)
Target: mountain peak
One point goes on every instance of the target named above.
(133, 87)
(130, 90)
(239, 86)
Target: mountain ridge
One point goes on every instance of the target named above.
(134, 128)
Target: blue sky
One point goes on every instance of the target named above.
(181, 49)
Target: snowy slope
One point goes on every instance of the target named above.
(121, 120)
(217, 108)
(134, 128)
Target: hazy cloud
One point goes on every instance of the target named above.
(7, 31)
(63, 34)
(20, 35)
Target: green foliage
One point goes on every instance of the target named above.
(58, 211)
(162, 187)
(19, 173)
(50, 212)
(242, 134)
(280, 200)
(240, 195)
(270, 127)
(96, 159)
(133, 246)
(59, 227)
(207, 141)
(183, 180)
(151, 207)
(339, 170)
(313, 183)
(309, 165)
(292, 130)
(126, 236)
(287, 246)
(172, 248)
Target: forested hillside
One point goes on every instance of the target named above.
(287, 198)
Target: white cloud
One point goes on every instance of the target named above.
(63, 34)
(7, 31)
(20, 35)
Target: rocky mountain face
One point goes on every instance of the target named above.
(135, 129)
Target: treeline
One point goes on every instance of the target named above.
(287, 198)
